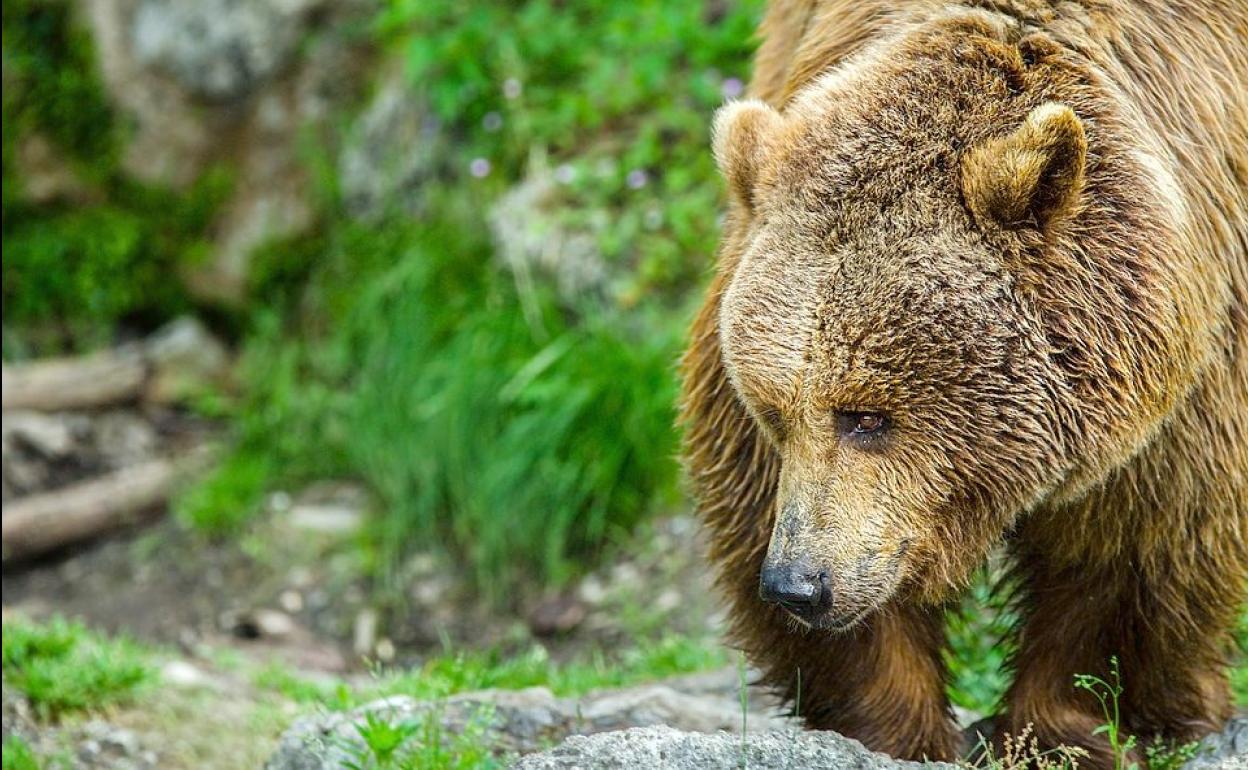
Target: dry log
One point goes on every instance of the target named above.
(41, 523)
(108, 377)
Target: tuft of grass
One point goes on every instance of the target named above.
(523, 449)
(62, 667)
(465, 671)
(388, 743)
(18, 755)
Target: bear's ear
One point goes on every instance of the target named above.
(741, 136)
(1032, 176)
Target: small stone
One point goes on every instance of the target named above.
(264, 624)
(291, 601)
(279, 502)
(179, 673)
(669, 600)
(364, 631)
(48, 435)
(592, 591)
(329, 519)
(185, 359)
(557, 615)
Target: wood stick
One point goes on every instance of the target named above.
(40, 523)
(108, 377)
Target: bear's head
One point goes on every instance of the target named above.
(911, 318)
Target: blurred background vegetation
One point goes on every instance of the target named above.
(400, 348)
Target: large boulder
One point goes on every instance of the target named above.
(671, 749)
(522, 721)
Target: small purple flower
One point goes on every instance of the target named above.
(565, 173)
(637, 179)
(492, 121)
(512, 88)
(732, 88)
(479, 167)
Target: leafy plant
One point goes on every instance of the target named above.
(1108, 692)
(980, 644)
(420, 743)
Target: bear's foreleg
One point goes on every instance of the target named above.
(1167, 630)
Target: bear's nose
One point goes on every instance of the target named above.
(795, 586)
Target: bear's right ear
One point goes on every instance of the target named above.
(741, 136)
(1031, 176)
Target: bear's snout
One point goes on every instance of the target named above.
(796, 587)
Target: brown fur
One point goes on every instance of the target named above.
(1020, 230)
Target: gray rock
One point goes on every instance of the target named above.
(515, 721)
(219, 49)
(1227, 750)
(540, 236)
(185, 359)
(665, 748)
(235, 83)
(391, 151)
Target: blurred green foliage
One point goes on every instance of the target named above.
(73, 269)
(18, 755)
(488, 414)
(63, 667)
(980, 644)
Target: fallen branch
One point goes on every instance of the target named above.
(109, 377)
(177, 360)
(42, 523)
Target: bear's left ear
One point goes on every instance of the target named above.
(1032, 176)
(741, 137)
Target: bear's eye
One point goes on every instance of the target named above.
(773, 420)
(861, 424)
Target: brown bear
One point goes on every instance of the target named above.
(984, 280)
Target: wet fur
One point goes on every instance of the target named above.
(1127, 518)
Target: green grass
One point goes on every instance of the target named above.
(466, 671)
(62, 667)
(18, 755)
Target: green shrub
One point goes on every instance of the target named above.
(63, 667)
